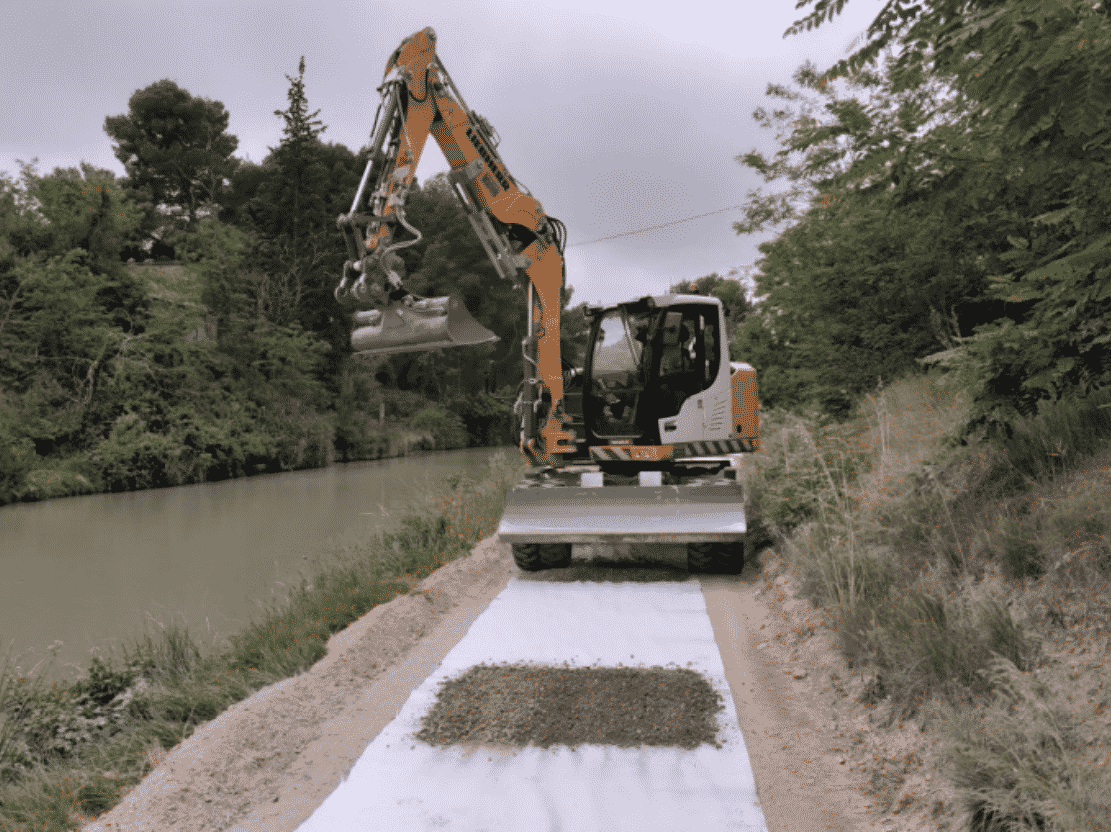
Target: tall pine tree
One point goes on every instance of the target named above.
(291, 202)
(289, 212)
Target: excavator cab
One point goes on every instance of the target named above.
(647, 359)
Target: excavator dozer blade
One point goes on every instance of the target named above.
(429, 324)
(624, 514)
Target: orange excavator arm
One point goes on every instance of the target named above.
(418, 99)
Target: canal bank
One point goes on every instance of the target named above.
(91, 574)
(71, 749)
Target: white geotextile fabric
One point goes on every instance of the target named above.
(400, 783)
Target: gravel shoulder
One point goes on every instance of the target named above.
(820, 759)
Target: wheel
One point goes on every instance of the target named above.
(533, 557)
(716, 558)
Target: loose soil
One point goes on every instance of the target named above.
(822, 760)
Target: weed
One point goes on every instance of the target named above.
(100, 795)
(1047, 444)
(1014, 544)
(1019, 762)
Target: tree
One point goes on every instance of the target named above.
(290, 201)
(574, 331)
(58, 339)
(219, 256)
(174, 146)
(300, 251)
(844, 293)
(82, 208)
(730, 292)
(1039, 75)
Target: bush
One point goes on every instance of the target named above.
(401, 404)
(446, 429)
(421, 546)
(132, 457)
(1042, 446)
(488, 420)
(304, 438)
(17, 459)
(358, 437)
(45, 483)
(100, 795)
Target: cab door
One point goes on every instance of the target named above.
(692, 406)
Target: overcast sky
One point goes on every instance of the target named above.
(616, 115)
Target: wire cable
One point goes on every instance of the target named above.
(654, 227)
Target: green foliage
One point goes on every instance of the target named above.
(102, 685)
(233, 362)
(46, 483)
(291, 208)
(446, 429)
(17, 459)
(295, 191)
(174, 146)
(303, 437)
(844, 294)
(214, 244)
(803, 467)
(219, 255)
(1020, 762)
(574, 329)
(100, 795)
(1045, 445)
(487, 419)
(61, 338)
(132, 457)
(1028, 152)
(730, 292)
(357, 432)
(61, 722)
(73, 208)
(1060, 350)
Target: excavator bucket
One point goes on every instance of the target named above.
(429, 324)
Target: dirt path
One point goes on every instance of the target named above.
(819, 763)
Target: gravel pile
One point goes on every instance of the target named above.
(518, 705)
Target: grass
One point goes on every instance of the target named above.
(71, 751)
(946, 568)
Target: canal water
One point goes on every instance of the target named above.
(94, 572)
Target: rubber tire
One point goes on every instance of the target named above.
(716, 558)
(532, 557)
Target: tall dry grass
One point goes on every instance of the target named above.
(942, 568)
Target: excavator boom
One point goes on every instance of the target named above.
(524, 244)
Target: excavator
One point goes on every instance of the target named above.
(643, 443)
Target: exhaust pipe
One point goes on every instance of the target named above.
(429, 324)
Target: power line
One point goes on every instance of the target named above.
(654, 227)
